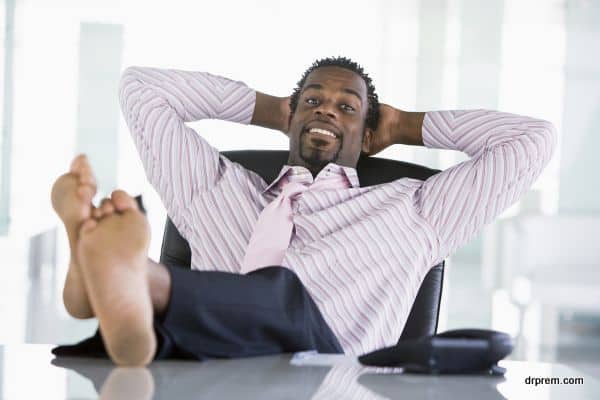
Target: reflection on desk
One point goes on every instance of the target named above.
(271, 377)
(266, 378)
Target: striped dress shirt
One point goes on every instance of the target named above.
(361, 252)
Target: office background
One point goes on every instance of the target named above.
(534, 273)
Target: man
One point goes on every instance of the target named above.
(311, 260)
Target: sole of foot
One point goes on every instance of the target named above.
(113, 258)
(71, 198)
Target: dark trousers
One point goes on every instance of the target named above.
(218, 314)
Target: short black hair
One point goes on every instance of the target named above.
(342, 62)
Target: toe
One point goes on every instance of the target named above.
(88, 225)
(77, 162)
(97, 213)
(122, 201)
(87, 182)
(107, 207)
(86, 175)
(86, 192)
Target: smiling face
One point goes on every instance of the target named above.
(328, 124)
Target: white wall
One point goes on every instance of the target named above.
(414, 50)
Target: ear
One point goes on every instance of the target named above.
(367, 140)
(289, 123)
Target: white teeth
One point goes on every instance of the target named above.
(322, 131)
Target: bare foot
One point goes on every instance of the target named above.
(113, 253)
(72, 200)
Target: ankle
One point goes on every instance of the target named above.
(76, 306)
(159, 282)
(75, 297)
(72, 230)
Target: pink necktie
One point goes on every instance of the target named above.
(273, 230)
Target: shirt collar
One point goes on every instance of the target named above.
(330, 168)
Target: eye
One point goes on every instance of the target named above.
(347, 107)
(312, 101)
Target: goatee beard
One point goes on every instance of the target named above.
(314, 160)
(316, 163)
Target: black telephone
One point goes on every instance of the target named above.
(458, 351)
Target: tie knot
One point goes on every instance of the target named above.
(292, 189)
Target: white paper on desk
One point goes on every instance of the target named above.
(314, 358)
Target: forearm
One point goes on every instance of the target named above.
(271, 112)
(188, 96)
(409, 128)
(507, 154)
(156, 104)
(476, 131)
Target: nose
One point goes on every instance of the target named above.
(326, 108)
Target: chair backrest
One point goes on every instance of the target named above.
(424, 314)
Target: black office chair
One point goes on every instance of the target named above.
(424, 314)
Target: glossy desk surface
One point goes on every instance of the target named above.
(31, 372)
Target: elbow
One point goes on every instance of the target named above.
(130, 80)
(132, 72)
(552, 135)
(547, 132)
(129, 75)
